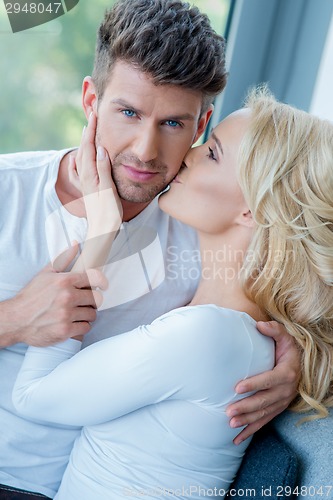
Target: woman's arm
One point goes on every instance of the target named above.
(91, 173)
(117, 375)
(175, 357)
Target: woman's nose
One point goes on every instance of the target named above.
(188, 160)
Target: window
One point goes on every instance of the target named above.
(217, 11)
(42, 70)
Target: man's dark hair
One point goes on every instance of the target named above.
(169, 40)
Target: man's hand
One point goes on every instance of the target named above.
(277, 388)
(52, 307)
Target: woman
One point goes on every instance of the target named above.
(152, 401)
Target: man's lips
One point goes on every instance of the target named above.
(139, 175)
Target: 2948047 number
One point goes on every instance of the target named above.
(33, 8)
(305, 491)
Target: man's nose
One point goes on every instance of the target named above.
(146, 144)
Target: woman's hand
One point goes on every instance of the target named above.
(93, 173)
(102, 203)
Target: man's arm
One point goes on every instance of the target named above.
(276, 388)
(51, 308)
(56, 305)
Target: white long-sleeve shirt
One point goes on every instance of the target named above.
(152, 402)
(153, 268)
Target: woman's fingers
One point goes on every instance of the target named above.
(102, 202)
(104, 169)
(62, 261)
(93, 171)
(86, 158)
(90, 131)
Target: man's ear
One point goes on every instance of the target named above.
(203, 122)
(89, 96)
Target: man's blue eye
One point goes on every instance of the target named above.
(129, 112)
(172, 123)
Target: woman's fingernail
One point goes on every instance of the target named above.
(83, 130)
(100, 153)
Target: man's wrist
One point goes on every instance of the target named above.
(10, 333)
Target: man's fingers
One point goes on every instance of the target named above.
(91, 279)
(82, 297)
(274, 389)
(63, 260)
(266, 396)
(84, 314)
(248, 409)
(87, 298)
(256, 383)
(80, 328)
(250, 405)
(265, 412)
(271, 329)
(47, 269)
(282, 376)
(254, 427)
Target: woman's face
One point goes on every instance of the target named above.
(206, 194)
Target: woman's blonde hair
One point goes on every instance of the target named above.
(286, 174)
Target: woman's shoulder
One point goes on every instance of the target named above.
(210, 320)
(203, 312)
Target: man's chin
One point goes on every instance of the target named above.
(139, 194)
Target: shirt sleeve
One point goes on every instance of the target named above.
(173, 358)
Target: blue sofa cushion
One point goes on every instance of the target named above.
(269, 469)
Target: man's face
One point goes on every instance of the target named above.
(146, 129)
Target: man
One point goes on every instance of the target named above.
(158, 67)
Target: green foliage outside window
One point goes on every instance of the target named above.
(42, 71)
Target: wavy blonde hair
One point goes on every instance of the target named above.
(286, 174)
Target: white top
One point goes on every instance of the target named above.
(154, 267)
(152, 402)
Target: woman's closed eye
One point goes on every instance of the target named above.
(211, 154)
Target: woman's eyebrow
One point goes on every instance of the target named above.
(218, 142)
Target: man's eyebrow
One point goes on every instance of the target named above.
(181, 117)
(218, 142)
(184, 117)
(126, 105)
